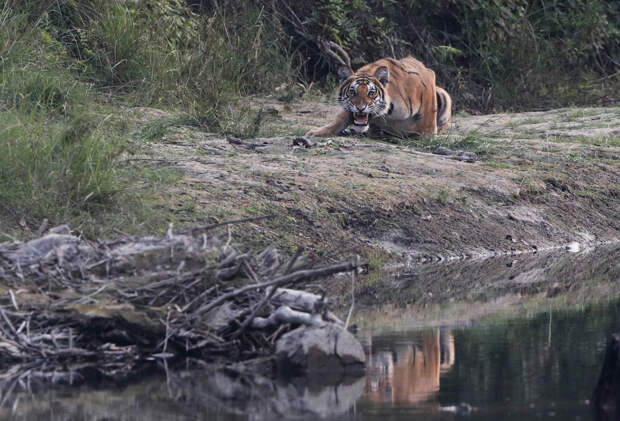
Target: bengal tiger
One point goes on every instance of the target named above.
(397, 97)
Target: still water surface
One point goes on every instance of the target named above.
(540, 365)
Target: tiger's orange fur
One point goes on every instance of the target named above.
(397, 97)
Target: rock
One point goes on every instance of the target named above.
(606, 397)
(467, 156)
(265, 398)
(442, 150)
(330, 348)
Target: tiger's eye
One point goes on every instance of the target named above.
(372, 93)
(351, 92)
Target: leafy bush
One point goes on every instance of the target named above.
(488, 53)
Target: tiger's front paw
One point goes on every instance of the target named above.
(316, 132)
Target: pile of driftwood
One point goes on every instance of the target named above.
(65, 300)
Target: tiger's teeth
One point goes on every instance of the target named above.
(360, 119)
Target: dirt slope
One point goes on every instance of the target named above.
(542, 179)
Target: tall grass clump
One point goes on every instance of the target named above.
(56, 163)
(234, 57)
(163, 53)
(54, 170)
(33, 72)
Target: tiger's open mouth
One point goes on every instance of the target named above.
(360, 119)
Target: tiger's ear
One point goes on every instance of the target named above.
(382, 74)
(344, 72)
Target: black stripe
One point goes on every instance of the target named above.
(396, 63)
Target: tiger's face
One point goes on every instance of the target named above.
(364, 96)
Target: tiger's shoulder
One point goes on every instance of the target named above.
(401, 69)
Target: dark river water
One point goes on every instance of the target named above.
(539, 367)
(531, 365)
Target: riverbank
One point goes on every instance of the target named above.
(115, 305)
(494, 185)
(539, 180)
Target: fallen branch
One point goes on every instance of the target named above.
(247, 145)
(292, 278)
(458, 155)
(285, 315)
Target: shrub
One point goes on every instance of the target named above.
(489, 53)
(162, 53)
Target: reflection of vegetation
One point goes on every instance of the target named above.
(509, 368)
(548, 357)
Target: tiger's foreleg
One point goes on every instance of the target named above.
(343, 120)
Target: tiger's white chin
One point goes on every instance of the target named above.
(359, 129)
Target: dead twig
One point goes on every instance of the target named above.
(292, 278)
(340, 55)
(252, 315)
(220, 224)
(247, 145)
(353, 283)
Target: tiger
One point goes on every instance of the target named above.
(390, 96)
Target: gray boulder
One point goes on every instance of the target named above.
(326, 349)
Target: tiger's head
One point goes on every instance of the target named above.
(364, 95)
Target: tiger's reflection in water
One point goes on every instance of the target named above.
(408, 371)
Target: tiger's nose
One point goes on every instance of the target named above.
(361, 107)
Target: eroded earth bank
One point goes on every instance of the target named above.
(539, 180)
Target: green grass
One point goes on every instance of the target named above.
(68, 68)
(472, 141)
(604, 141)
(156, 130)
(71, 171)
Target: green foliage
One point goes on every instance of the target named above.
(33, 74)
(488, 53)
(60, 60)
(54, 169)
(162, 53)
(236, 56)
(59, 154)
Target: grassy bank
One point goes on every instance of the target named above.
(69, 70)
(73, 71)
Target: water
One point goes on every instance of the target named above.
(539, 365)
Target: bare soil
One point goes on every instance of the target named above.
(542, 179)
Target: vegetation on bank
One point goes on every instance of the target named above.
(69, 69)
(489, 54)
